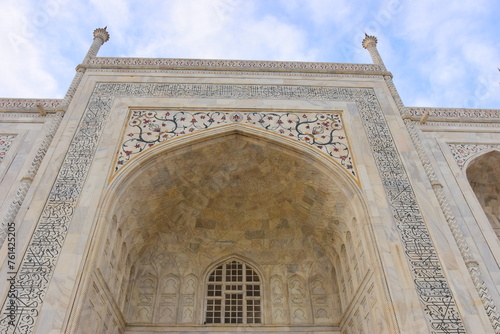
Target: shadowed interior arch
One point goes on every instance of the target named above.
(231, 194)
(483, 174)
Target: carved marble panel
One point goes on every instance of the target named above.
(299, 300)
(99, 311)
(5, 144)
(278, 301)
(145, 295)
(365, 315)
(169, 300)
(189, 288)
(321, 308)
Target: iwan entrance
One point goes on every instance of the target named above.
(233, 233)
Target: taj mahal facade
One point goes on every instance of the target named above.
(222, 196)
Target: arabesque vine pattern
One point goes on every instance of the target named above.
(148, 128)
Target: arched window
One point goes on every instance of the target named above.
(233, 295)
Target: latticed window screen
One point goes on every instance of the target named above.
(233, 295)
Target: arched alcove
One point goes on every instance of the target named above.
(182, 211)
(483, 174)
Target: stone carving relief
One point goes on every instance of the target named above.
(162, 301)
(145, 294)
(359, 250)
(348, 279)
(364, 317)
(37, 266)
(98, 308)
(320, 302)
(189, 299)
(461, 124)
(339, 271)
(351, 254)
(169, 300)
(455, 112)
(278, 299)
(5, 143)
(234, 64)
(13, 104)
(299, 301)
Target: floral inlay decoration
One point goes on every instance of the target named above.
(462, 152)
(148, 128)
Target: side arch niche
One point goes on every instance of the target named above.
(234, 198)
(483, 174)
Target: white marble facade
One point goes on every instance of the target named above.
(198, 196)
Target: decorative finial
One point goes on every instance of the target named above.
(102, 34)
(369, 41)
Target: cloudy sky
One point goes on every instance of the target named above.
(442, 53)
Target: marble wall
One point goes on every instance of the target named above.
(346, 235)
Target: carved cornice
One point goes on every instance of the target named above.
(240, 65)
(20, 105)
(230, 72)
(474, 123)
(25, 117)
(458, 114)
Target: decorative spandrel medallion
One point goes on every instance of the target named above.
(148, 128)
(463, 152)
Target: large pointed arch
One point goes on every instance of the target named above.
(150, 198)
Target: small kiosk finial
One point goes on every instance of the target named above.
(370, 43)
(102, 33)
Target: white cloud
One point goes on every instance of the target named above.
(276, 40)
(444, 54)
(21, 61)
(200, 29)
(341, 13)
(447, 50)
(114, 13)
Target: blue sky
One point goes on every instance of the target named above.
(441, 53)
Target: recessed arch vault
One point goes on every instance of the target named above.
(483, 175)
(183, 208)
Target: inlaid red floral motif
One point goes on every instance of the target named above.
(148, 128)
